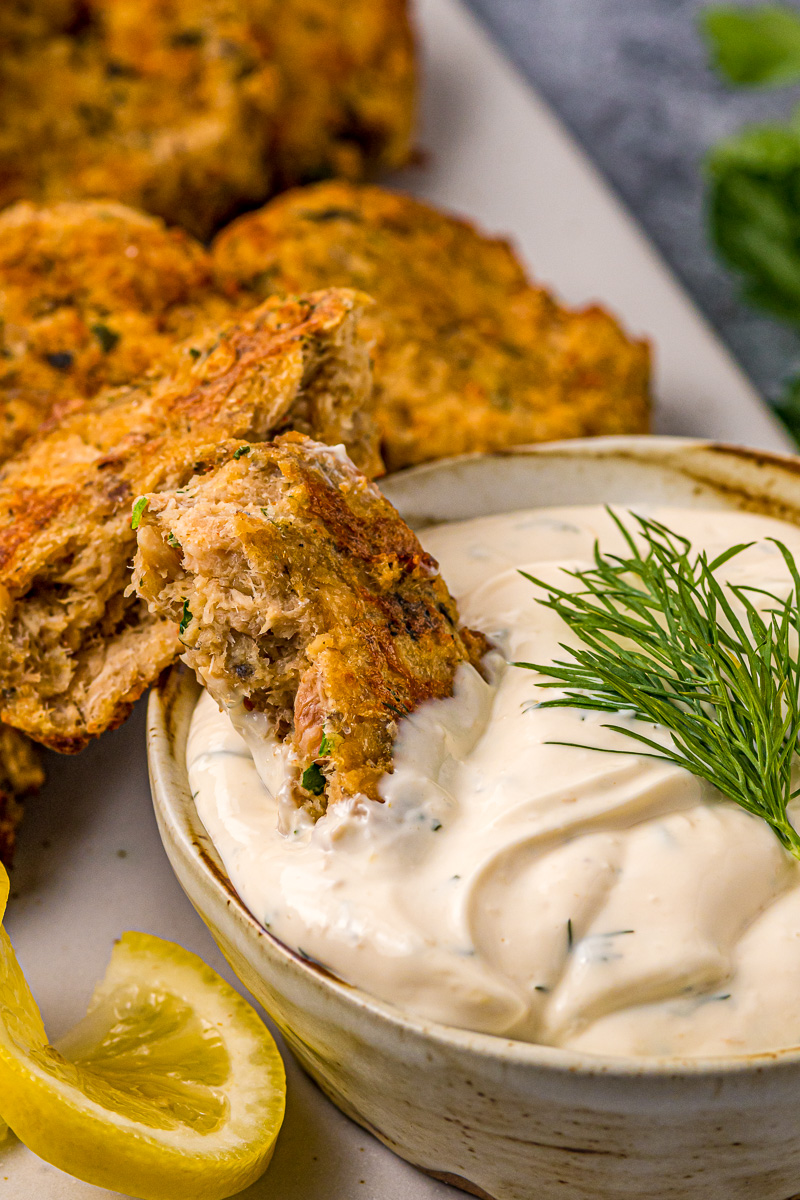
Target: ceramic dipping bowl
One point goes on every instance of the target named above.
(505, 1119)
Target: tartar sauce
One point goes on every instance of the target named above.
(603, 902)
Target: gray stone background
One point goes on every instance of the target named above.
(630, 79)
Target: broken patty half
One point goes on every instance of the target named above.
(300, 593)
(75, 652)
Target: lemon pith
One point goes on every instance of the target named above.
(170, 1087)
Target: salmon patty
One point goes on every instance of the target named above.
(305, 604)
(197, 109)
(469, 355)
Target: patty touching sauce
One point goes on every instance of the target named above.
(609, 903)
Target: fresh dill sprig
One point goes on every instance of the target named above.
(663, 638)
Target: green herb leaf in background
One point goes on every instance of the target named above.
(754, 177)
(754, 213)
(788, 406)
(717, 665)
(754, 46)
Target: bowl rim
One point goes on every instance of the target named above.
(180, 813)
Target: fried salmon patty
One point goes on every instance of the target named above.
(75, 652)
(197, 109)
(301, 594)
(92, 294)
(468, 354)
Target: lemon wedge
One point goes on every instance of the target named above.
(171, 1087)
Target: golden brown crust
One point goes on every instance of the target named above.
(23, 20)
(302, 594)
(196, 109)
(91, 295)
(468, 355)
(74, 652)
(349, 70)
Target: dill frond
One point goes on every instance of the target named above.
(715, 663)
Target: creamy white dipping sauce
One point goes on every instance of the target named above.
(602, 902)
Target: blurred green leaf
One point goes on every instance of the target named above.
(754, 46)
(754, 213)
(788, 407)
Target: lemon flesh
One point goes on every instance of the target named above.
(171, 1087)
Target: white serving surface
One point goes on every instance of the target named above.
(90, 863)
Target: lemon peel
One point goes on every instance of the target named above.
(171, 1087)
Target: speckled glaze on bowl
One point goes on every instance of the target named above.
(498, 1118)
